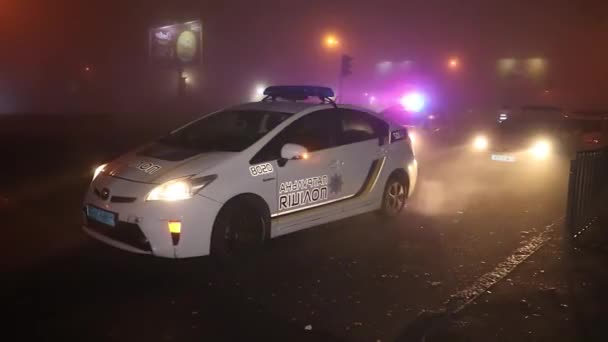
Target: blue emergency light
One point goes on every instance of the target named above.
(298, 93)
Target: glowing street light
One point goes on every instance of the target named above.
(453, 63)
(331, 41)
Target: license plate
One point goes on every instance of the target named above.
(101, 216)
(503, 158)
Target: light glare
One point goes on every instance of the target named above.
(480, 143)
(331, 41)
(99, 170)
(258, 92)
(453, 63)
(413, 102)
(541, 149)
(412, 137)
(171, 191)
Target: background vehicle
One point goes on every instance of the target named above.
(530, 134)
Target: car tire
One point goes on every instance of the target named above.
(394, 197)
(238, 230)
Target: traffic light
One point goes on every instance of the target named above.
(346, 65)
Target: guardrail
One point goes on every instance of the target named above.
(587, 191)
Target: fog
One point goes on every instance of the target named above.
(277, 42)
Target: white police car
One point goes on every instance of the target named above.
(226, 182)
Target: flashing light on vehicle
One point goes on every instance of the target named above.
(480, 143)
(413, 102)
(258, 92)
(541, 149)
(99, 170)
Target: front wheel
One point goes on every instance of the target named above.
(238, 230)
(394, 197)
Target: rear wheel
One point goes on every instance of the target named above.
(239, 229)
(394, 197)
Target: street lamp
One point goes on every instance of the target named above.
(453, 63)
(331, 42)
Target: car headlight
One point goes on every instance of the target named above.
(179, 189)
(98, 170)
(480, 143)
(541, 149)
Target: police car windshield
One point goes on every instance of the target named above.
(229, 131)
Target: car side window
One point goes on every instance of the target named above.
(358, 126)
(315, 131)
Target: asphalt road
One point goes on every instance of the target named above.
(360, 279)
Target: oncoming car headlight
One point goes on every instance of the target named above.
(179, 189)
(480, 143)
(541, 149)
(98, 170)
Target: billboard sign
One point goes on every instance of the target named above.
(178, 44)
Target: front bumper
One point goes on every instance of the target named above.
(142, 227)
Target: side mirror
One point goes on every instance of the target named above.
(293, 152)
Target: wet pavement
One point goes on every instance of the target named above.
(360, 279)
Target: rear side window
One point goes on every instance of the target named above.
(358, 126)
(315, 131)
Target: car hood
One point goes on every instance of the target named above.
(157, 163)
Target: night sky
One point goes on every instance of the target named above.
(46, 45)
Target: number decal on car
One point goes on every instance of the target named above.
(148, 167)
(261, 169)
(397, 135)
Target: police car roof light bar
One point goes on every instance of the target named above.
(299, 93)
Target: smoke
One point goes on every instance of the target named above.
(453, 179)
(446, 183)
